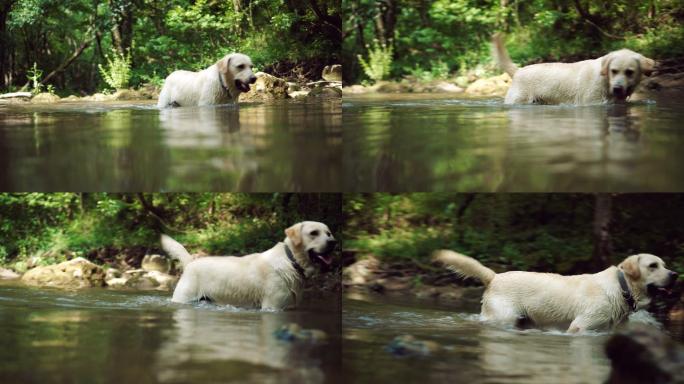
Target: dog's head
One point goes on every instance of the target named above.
(648, 272)
(623, 70)
(236, 70)
(312, 239)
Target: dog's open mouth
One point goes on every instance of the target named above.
(325, 258)
(656, 290)
(242, 86)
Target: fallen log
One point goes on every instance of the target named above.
(16, 94)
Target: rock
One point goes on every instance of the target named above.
(354, 89)
(112, 273)
(298, 94)
(461, 81)
(71, 98)
(294, 333)
(361, 272)
(117, 282)
(267, 87)
(445, 87)
(97, 97)
(127, 94)
(643, 354)
(390, 87)
(332, 72)
(8, 274)
(293, 87)
(326, 92)
(76, 273)
(45, 97)
(497, 85)
(141, 279)
(156, 263)
(408, 345)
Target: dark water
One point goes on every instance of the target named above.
(474, 352)
(440, 143)
(284, 146)
(100, 336)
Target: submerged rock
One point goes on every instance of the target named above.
(294, 333)
(76, 273)
(643, 354)
(497, 85)
(408, 345)
(143, 280)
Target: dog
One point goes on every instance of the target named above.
(219, 84)
(580, 303)
(610, 78)
(270, 280)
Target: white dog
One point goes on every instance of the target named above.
(221, 83)
(269, 280)
(609, 78)
(580, 303)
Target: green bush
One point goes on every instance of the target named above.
(118, 70)
(379, 61)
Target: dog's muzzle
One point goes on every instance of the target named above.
(244, 87)
(663, 290)
(325, 256)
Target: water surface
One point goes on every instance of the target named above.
(409, 142)
(122, 147)
(104, 336)
(474, 352)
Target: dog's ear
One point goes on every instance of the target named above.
(630, 266)
(295, 234)
(605, 63)
(224, 65)
(646, 65)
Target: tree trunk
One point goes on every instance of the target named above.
(5, 44)
(603, 247)
(123, 19)
(385, 20)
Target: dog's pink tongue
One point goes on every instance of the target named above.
(326, 259)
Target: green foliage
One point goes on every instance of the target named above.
(118, 70)
(379, 61)
(34, 75)
(551, 233)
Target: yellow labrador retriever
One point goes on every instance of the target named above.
(268, 280)
(580, 303)
(610, 78)
(220, 83)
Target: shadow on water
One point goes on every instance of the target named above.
(473, 352)
(123, 147)
(100, 336)
(424, 143)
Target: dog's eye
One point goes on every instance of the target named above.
(614, 71)
(328, 233)
(629, 73)
(653, 265)
(241, 66)
(314, 233)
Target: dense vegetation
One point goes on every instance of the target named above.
(69, 40)
(566, 233)
(433, 38)
(99, 226)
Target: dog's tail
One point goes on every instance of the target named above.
(175, 250)
(501, 57)
(464, 265)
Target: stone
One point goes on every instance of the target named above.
(144, 280)
(361, 272)
(354, 89)
(462, 81)
(165, 282)
(112, 273)
(76, 273)
(408, 345)
(128, 94)
(267, 87)
(45, 97)
(117, 282)
(298, 94)
(326, 92)
(332, 72)
(445, 87)
(497, 85)
(295, 333)
(644, 354)
(8, 274)
(156, 263)
(71, 98)
(390, 87)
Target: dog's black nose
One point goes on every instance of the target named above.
(332, 243)
(252, 80)
(673, 276)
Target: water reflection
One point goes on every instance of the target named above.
(415, 143)
(286, 146)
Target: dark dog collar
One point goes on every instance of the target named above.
(626, 294)
(294, 262)
(223, 86)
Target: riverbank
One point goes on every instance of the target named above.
(669, 76)
(266, 88)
